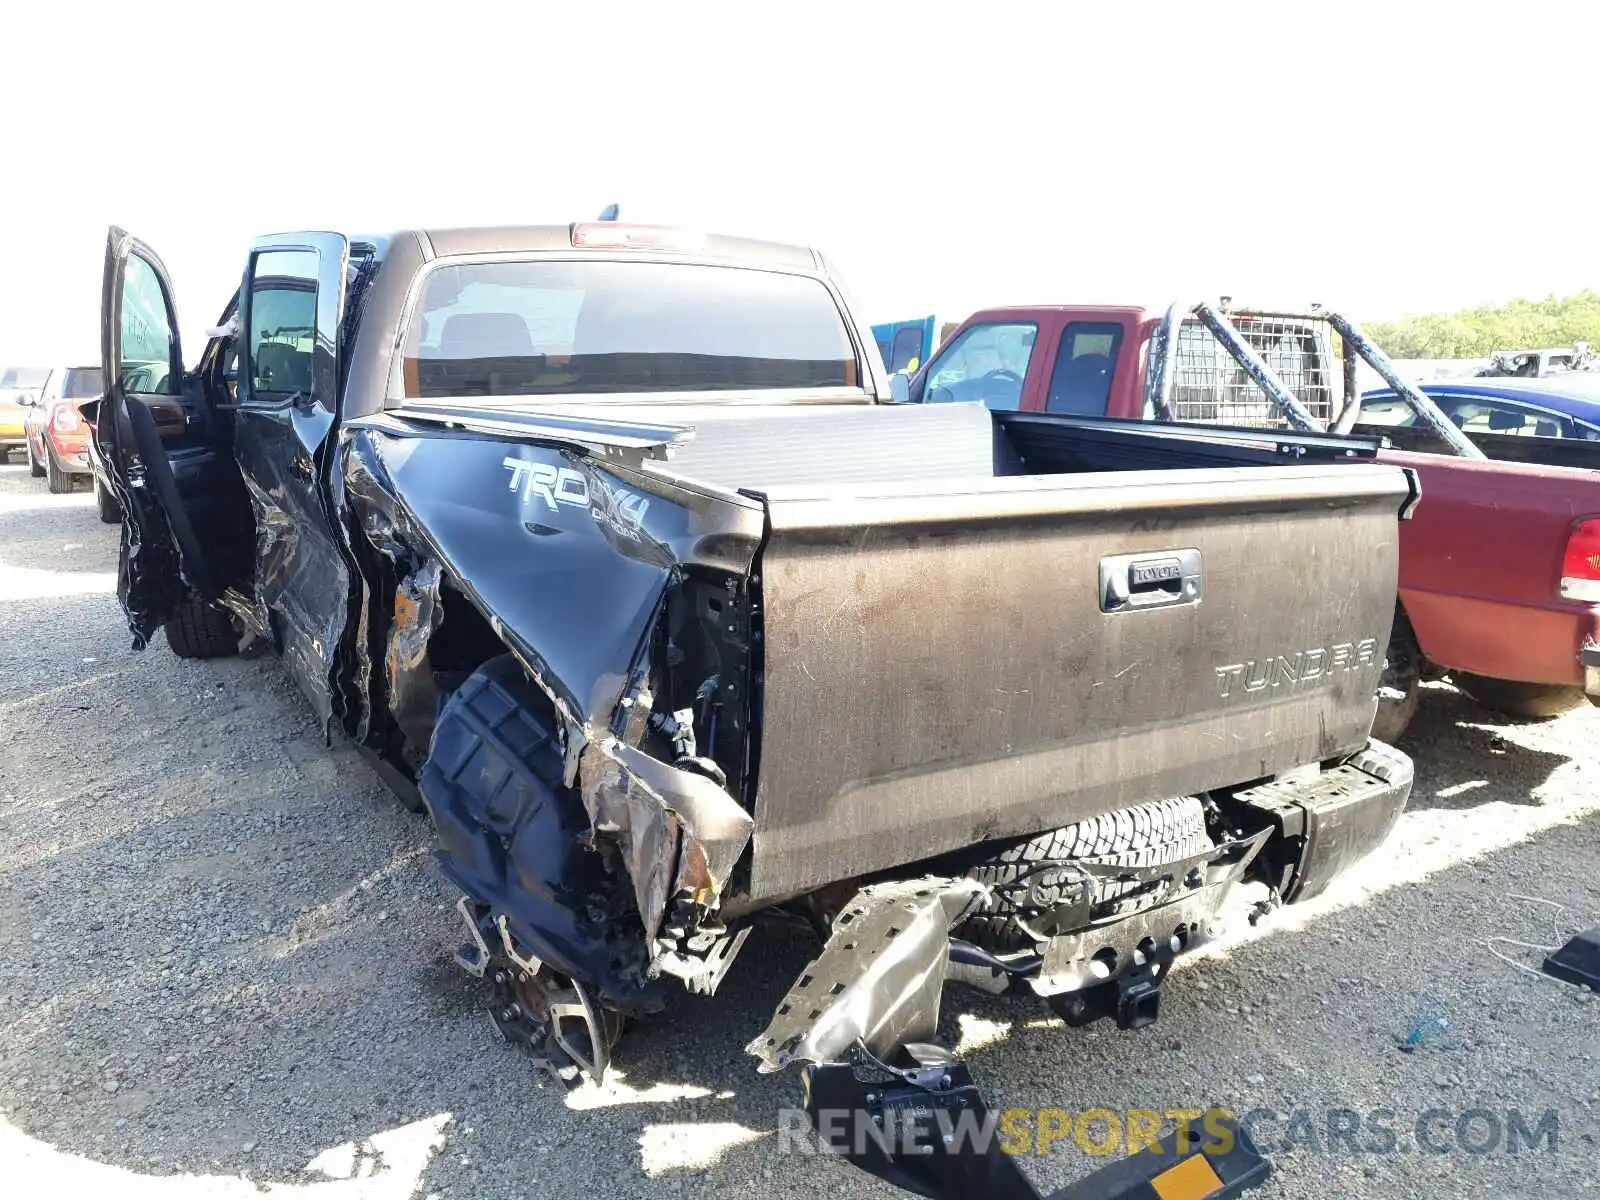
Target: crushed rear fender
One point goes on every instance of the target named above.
(575, 558)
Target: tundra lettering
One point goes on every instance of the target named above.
(1306, 665)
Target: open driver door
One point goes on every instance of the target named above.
(165, 448)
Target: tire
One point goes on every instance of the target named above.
(34, 468)
(1162, 831)
(1400, 689)
(1526, 701)
(513, 836)
(58, 482)
(106, 504)
(202, 631)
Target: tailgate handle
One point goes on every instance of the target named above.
(1135, 582)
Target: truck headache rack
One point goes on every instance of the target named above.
(1209, 385)
(1213, 363)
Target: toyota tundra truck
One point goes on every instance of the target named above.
(1500, 570)
(606, 548)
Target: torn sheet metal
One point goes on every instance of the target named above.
(679, 832)
(878, 980)
(413, 695)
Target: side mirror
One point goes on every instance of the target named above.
(900, 388)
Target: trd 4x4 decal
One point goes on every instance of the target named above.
(563, 485)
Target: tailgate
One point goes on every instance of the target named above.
(941, 668)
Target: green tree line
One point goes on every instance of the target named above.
(1477, 332)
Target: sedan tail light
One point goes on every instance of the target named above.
(1580, 566)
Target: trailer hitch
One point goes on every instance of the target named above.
(1133, 998)
(925, 1127)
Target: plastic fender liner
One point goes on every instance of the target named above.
(879, 978)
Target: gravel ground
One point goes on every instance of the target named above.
(224, 964)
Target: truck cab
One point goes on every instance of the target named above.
(1089, 360)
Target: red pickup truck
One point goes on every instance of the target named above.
(1500, 566)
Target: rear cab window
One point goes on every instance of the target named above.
(545, 327)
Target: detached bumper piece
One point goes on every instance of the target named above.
(1578, 961)
(926, 1129)
(1331, 821)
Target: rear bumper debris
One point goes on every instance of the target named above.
(1578, 961)
(1329, 821)
(862, 1017)
(877, 982)
(925, 1127)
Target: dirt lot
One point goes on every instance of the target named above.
(224, 963)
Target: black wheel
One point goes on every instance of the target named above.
(106, 504)
(1159, 832)
(1527, 701)
(202, 631)
(59, 482)
(34, 468)
(1400, 689)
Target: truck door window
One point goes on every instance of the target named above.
(1080, 381)
(904, 352)
(1506, 418)
(147, 333)
(987, 363)
(283, 325)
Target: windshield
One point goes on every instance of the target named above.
(586, 328)
(30, 378)
(81, 382)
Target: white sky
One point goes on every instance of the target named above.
(1386, 158)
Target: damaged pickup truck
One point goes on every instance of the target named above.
(605, 546)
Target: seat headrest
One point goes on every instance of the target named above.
(485, 335)
(283, 368)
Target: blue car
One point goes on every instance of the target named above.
(1559, 406)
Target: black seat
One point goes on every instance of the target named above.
(1080, 387)
(281, 367)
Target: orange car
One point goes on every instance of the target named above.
(57, 434)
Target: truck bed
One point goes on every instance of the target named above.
(943, 665)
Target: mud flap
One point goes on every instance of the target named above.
(926, 1129)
